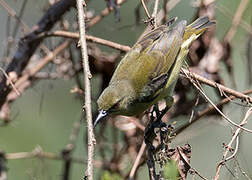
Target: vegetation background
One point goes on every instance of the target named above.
(45, 114)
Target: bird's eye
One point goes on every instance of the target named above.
(116, 105)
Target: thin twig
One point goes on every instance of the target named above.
(235, 151)
(236, 20)
(138, 158)
(216, 85)
(74, 35)
(243, 172)
(87, 76)
(145, 9)
(26, 29)
(103, 13)
(38, 152)
(15, 29)
(243, 24)
(10, 81)
(209, 110)
(229, 146)
(12, 13)
(43, 62)
(217, 109)
(154, 13)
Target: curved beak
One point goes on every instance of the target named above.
(100, 116)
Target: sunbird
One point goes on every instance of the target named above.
(149, 71)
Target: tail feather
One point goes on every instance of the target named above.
(197, 27)
(199, 22)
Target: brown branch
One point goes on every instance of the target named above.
(209, 110)
(136, 163)
(87, 76)
(16, 27)
(217, 85)
(12, 13)
(9, 81)
(90, 38)
(23, 82)
(29, 44)
(236, 20)
(26, 29)
(43, 62)
(154, 14)
(243, 24)
(229, 146)
(145, 9)
(199, 88)
(38, 152)
(104, 13)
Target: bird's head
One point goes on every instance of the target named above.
(115, 99)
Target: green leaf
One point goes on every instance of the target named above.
(110, 176)
(171, 171)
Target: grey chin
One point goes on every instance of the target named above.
(102, 114)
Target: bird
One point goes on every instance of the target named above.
(150, 69)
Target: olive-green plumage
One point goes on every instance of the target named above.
(149, 71)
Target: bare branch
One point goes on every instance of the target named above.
(154, 14)
(138, 158)
(216, 85)
(103, 14)
(145, 9)
(196, 84)
(229, 146)
(29, 44)
(236, 20)
(87, 76)
(74, 35)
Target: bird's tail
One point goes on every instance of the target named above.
(200, 24)
(195, 29)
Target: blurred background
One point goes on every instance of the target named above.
(43, 117)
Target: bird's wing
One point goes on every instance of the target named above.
(149, 63)
(147, 39)
(153, 68)
(151, 90)
(137, 50)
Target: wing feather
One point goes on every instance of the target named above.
(153, 56)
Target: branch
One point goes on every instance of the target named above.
(136, 163)
(23, 82)
(209, 110)
(216, 85)
(87, 76)
(236, 20)
(38, 152)
(198, 87)
(29, 44)
(229, 146)
(154, 13)
(74, 35)
(104, 13)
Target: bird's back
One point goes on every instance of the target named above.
(151, 57)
